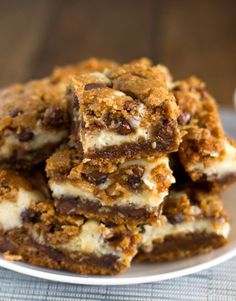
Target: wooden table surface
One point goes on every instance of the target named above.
(190, 37)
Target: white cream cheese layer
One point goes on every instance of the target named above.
(67, 189)
(90, 240)
(138, 199)
(158, 232)
(149, 197)
(40, 139)
(223, 166)
(107, 138)
(10, 211)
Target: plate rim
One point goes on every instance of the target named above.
(56, 276)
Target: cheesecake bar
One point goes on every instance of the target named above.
(130, 192)
(206, 153)
(32, 231)
(192, 222)
(34, 117)
(124, 113)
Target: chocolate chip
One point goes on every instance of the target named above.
(90, 112)
(75, 102)
(123, 127)
(95, 177)
(92, 86)
(118, 124)
(142, 229)
(184, 118)
(176, 89)
(15, 112)
(129, 105)
(66, 205)
(193, 198)
(165, 129)
(25, 135)
(30, 215)
(115, 238)
(134, 181)
(138, 171)
(53, 117)
(175, 219)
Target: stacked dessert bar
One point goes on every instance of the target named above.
(102, 164)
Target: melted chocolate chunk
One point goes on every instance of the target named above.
(95, 177)
(123, 127)
(90, 112)
(135, 180)
(175, 219)
(66, 205)
(30, 216)
(115, 238)
(53, 117)
(92, 86)
(118, 124)
(15, 112)
(129, 105)
(75, 102)
(184, 118)
(138, 171)
(165, 129)
(176, 89)
(25, 135)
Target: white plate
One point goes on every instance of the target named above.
(143, 273)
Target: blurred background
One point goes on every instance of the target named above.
(189, 36)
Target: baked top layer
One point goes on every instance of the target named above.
(124, 112)
(90, 65)
(206, 153)
(35, 116)
(187, 212)
(127, 192)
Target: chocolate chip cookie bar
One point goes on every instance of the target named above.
(130, 192)
(33, 120)
(124, 113)
(193, 222)
(34, 117)
(32, 231)
(206, 153)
